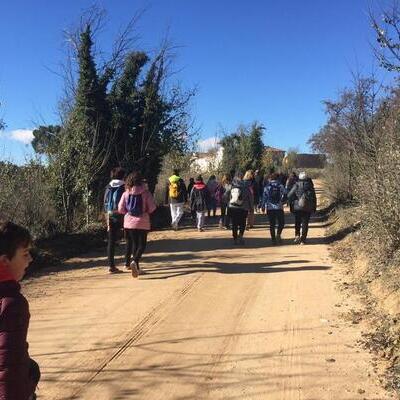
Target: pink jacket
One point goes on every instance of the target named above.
(142, 222)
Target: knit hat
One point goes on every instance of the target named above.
(302, 175)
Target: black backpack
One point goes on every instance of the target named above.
(274, 193)
(307, 197)
(199, 201)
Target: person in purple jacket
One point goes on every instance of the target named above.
(19, 374)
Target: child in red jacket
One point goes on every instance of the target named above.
(19, 374)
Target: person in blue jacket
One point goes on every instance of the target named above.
(272, 202)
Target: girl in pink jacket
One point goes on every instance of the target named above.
(136, 204)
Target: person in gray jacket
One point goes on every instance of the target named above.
(240, 202)
(303, 202)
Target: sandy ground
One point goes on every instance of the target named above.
(209, 320)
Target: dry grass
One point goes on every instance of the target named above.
(379, 288)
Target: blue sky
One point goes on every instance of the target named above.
(262, 60)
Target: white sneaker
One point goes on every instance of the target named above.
(297, 240)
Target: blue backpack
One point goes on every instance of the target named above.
(134, 205)
(112, 197)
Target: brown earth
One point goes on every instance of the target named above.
(209, 320)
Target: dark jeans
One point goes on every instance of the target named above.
(238, 217)
(114, 234)
(136, 240)
(212, 205)
(276, 216)
(225, 217)
(302, 219)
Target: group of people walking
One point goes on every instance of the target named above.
(240, 196)
(128, 203)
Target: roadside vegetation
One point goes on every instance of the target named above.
(362, 142)
(120, 106)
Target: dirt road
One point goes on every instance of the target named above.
(209, 320)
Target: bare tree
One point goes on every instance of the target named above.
(388, 37)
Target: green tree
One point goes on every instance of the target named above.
(230, 160)
(148, 122)
(46, 139)
(243, 149)
(251, 147)
(123, 112)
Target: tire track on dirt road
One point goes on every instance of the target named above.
(154, 317)
(235, 325)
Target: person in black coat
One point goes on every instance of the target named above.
(303, 202)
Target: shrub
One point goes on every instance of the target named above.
(25, 197)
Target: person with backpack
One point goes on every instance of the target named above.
(248, 180)
(240, 202)
(258, 190)
(272, 202)
(212, 186)
(221, 195)
(189, 191)
(114, 219)
(190, 186)
(136, 205)
(176, 196)
(303, 202)
(293, 178)
(199, 198)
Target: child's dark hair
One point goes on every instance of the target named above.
(12, 237)
(117, 173)
(135, 178)
(199, 178)
(274, 176)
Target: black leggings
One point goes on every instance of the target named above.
(275, 216)
(302, 220)
(225, 217)
(136, 240)
(238, 216)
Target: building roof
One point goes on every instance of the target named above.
(274, 149)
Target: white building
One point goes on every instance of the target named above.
(208, 161)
